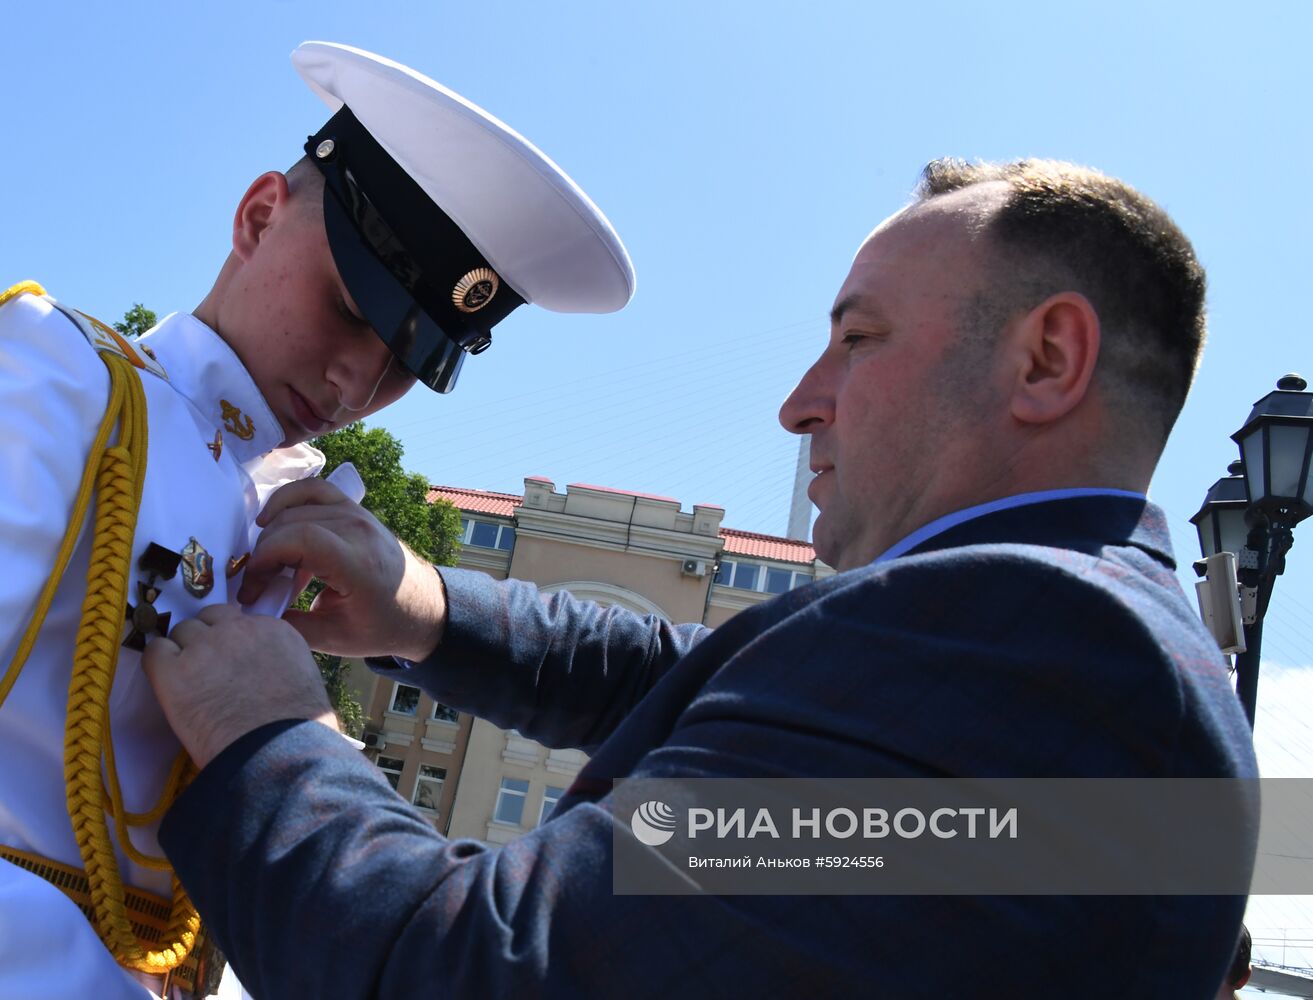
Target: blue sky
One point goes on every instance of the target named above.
(742, 149)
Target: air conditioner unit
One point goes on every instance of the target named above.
(374, 741)
(694, 567)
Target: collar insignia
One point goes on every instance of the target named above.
(232, 421)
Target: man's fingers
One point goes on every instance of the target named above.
(188, 631)
(307, 548)
(311, 627)
(159, 653)
(300, 580)
(322, 513)
(214, 614)
(300, 493)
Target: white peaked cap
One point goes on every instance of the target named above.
(538, 230)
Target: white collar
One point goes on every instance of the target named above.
(202, 367)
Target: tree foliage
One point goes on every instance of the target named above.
(136, 321)
(399, 499)
(396, 497)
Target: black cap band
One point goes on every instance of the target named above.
(423, 286)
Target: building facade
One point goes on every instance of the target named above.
(641, 552)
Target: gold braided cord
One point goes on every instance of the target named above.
(119, 485)
(118, 473)
(69, 542)
(180, 775)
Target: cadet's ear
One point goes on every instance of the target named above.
(267, 195)
(1057, 345)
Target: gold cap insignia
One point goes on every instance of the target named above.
(475, 290)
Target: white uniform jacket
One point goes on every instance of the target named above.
(212, 461)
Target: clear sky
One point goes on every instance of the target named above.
(742, 150)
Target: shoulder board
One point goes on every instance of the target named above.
(106, 339)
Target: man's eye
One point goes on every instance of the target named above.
(855, 337)
(347, 314)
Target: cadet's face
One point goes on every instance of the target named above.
(290, 320)
(884, 404)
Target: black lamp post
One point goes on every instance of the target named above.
(1252, 511)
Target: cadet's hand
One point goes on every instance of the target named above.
(222, 674)
(379, 597)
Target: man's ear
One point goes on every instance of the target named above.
(1057, 346)
(266, 197)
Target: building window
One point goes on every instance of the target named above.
(551, 795)
(486, 535)
(428, 787)
(510, 801)
(391, 768)
(444, 713)
(764, 579)
(405, 699)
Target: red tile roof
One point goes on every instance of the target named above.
(750, 543)
(476, 501)
(742, 543)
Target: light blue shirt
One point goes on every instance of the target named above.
(942, 524)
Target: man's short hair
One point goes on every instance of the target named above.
(1239, 973)
(1069, 228)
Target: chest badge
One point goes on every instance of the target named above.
(216, 445)
(197, 569)
(155, 562)
(233, 421)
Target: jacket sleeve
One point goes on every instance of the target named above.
(53, 390)
(561, 671)
(319, 880)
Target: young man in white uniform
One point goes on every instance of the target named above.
(381, 259)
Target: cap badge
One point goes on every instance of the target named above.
(232, 421)
(475, 290)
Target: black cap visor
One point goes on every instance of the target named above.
(424, 287)
(410, 333)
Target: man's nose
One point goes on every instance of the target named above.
(360, 375)
(810, 405)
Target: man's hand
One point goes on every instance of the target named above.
(379, 598)
(222, 674)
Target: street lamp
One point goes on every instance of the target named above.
(1252, 512)
(1221, 519)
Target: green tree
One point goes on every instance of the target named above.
(396, 497)
(399, 499)
(136, 321)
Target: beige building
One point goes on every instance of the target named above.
(641, 552)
